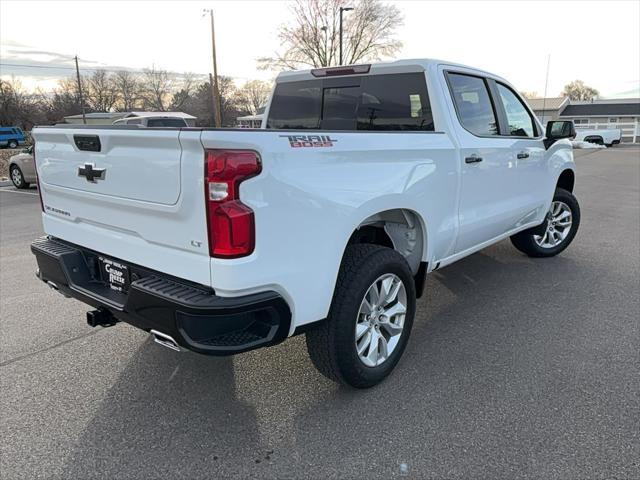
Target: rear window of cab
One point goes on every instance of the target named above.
(377, 102)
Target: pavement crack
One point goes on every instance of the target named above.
(43, 350)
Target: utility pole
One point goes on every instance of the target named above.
(342, 9)
(216, 90)
(214, 107)
(84, 118)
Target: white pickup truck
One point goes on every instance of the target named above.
(365, 179)
(602, 136)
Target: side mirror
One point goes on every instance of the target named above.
(559, 129)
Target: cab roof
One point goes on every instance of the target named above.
(380, 68)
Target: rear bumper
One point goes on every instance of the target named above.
(192, 314)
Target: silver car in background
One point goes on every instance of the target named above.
(22, 168)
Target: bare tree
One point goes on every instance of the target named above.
(100, 91)
(162, 90)
(187, 89)
(157, 87)
(253, 95)
(19, 108)
(128, 91)
(577, 90)
(229, 99)
(313, 37)
(65, 101)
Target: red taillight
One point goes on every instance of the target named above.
(230, 223)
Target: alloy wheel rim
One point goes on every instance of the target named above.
(559, 222)
(380, 320)
(16, 177)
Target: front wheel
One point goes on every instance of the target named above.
(556, 232)
(370, 318)
(12, 144)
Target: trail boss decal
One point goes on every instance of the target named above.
(297, 141)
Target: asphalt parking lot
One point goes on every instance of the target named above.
(516, 368)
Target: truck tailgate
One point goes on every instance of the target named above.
(142, 200)
(139, 164)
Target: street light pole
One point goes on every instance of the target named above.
(216, 90)
(342, 9)
(327, 58)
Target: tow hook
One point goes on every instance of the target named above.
(101, 317)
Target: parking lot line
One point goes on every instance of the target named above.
(8, 190)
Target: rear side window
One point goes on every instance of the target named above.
(395, 102)
(520, 123)
(377, 102)
(473, 104)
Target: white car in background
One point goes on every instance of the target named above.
(603, 136)
(153, 122)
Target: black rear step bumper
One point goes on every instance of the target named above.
(192, 314)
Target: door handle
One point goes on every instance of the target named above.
(473, 159)
(522, 155)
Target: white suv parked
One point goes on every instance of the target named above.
(365, 179)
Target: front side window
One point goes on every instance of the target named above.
(380, 102)
(473, 104)
(519, 122)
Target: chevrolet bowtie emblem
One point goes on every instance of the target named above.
(91, 173)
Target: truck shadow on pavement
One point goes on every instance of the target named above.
(168, 414)
(453, 398)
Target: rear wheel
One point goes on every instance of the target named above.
(594, 139)
(556, 232)
(12, 144)
(370, 318)
(17, 178)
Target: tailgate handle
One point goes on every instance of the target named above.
(88, 143)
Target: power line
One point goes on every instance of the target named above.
(52, 67)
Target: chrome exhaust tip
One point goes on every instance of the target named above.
(165, 340)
